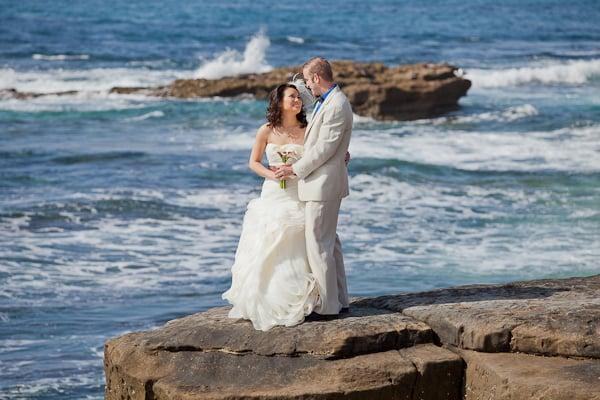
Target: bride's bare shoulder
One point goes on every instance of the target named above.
(264, 131)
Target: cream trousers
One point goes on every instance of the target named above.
(324, 251)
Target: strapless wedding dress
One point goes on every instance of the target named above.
(271, 280)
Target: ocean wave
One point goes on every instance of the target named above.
(79, 102)
(85, 80)
(573, 72)
(97, 157)
(151, 114)
(180, 233)
(295, 39)
(509, 115)
(231, 62)
(452, 228)
(60, 57)
(572, 149)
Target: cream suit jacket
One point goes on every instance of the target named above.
(322, 169)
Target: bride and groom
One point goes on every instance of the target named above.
(289, 262)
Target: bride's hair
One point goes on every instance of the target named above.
(274, 117)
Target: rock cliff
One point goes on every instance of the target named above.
(524, 340)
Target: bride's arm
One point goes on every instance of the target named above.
(258, 150)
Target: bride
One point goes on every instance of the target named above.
(271, 279)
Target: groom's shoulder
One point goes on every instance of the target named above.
(340, 97)
(342, 101)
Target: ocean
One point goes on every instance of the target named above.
(121, 212)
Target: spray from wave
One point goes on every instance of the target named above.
(232, 62)
(574, 72)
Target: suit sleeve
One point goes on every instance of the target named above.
(330, 136)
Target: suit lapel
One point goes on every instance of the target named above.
(333, 93)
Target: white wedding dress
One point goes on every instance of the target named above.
(271, 280)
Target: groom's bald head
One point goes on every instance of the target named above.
(318, 75)
(319, 66)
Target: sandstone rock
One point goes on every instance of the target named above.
(439, 372)
(207, 356)
(362, 330)
(551, 317)
(504, 376)
(374, 90)
(379, 350)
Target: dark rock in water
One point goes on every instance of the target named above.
(374, 90)
(385, 348)
(15, 94)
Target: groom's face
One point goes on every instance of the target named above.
(309, 79)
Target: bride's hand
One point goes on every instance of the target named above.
(272, 171)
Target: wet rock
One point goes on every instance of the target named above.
(15, 94)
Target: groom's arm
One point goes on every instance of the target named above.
(330, 137)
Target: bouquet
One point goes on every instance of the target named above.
(287, 157)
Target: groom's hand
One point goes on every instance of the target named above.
(284, 171)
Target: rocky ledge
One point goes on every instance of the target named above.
(523, 340)
(374, 90)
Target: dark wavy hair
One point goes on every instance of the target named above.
(274, 109)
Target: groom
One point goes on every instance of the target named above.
(323, 182)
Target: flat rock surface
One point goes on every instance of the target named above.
(141, 366)
(550, 317)
(384, 348)
(362, 330)
(503, 376)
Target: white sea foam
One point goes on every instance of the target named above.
(153, 252)
(232, 62)
(82, 101)
(358, 119)
(229, 141)
(91, 86)
(508, 115)
(151, 114)
(60, 57)
(573, 72)
(453, 245)
(295, 39)
(32, 387)
(85, 80)
(566, 149)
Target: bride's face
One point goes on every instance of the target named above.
(291, 101)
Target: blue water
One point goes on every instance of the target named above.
(118, 213)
